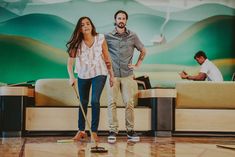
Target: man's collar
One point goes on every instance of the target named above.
(205, 61)
(127, 31)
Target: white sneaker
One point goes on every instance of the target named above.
(112, 137)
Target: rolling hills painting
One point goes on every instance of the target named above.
(214, 35)
(49, 29)
(23, 59)
(32, 43)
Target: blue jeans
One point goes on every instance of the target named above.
(97, 83)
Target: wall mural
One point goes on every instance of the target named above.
(33, 34)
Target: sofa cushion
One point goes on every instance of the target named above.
(204, 94)
(58, 92)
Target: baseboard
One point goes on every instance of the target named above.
(202, 134)
(72, 133)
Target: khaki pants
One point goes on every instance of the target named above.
(128, 88)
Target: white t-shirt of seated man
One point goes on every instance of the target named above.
(212, 72)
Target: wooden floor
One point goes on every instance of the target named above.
(147, 147)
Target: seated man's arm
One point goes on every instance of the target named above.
(200, 77)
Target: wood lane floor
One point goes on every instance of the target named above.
(147, 147)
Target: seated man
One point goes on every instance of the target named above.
(208, 70)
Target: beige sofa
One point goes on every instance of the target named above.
(205, 107)
(56, 109)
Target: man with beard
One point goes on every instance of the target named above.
(121, 45)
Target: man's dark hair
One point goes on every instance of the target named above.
(120, 11)
(200, 54)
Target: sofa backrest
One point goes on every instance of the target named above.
(205, 95)
(58, 92)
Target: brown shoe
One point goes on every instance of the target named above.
(80, 136)
(95, 136)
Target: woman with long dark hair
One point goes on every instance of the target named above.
(89, 51)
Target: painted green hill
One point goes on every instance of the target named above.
(6, 15)
(204, 11)
(49, 29)
(24, 59)
(214, 35)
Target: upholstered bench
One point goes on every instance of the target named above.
(203, 106)
(56, 109)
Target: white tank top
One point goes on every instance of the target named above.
(89, 62)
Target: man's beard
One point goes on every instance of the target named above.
(121, 25)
